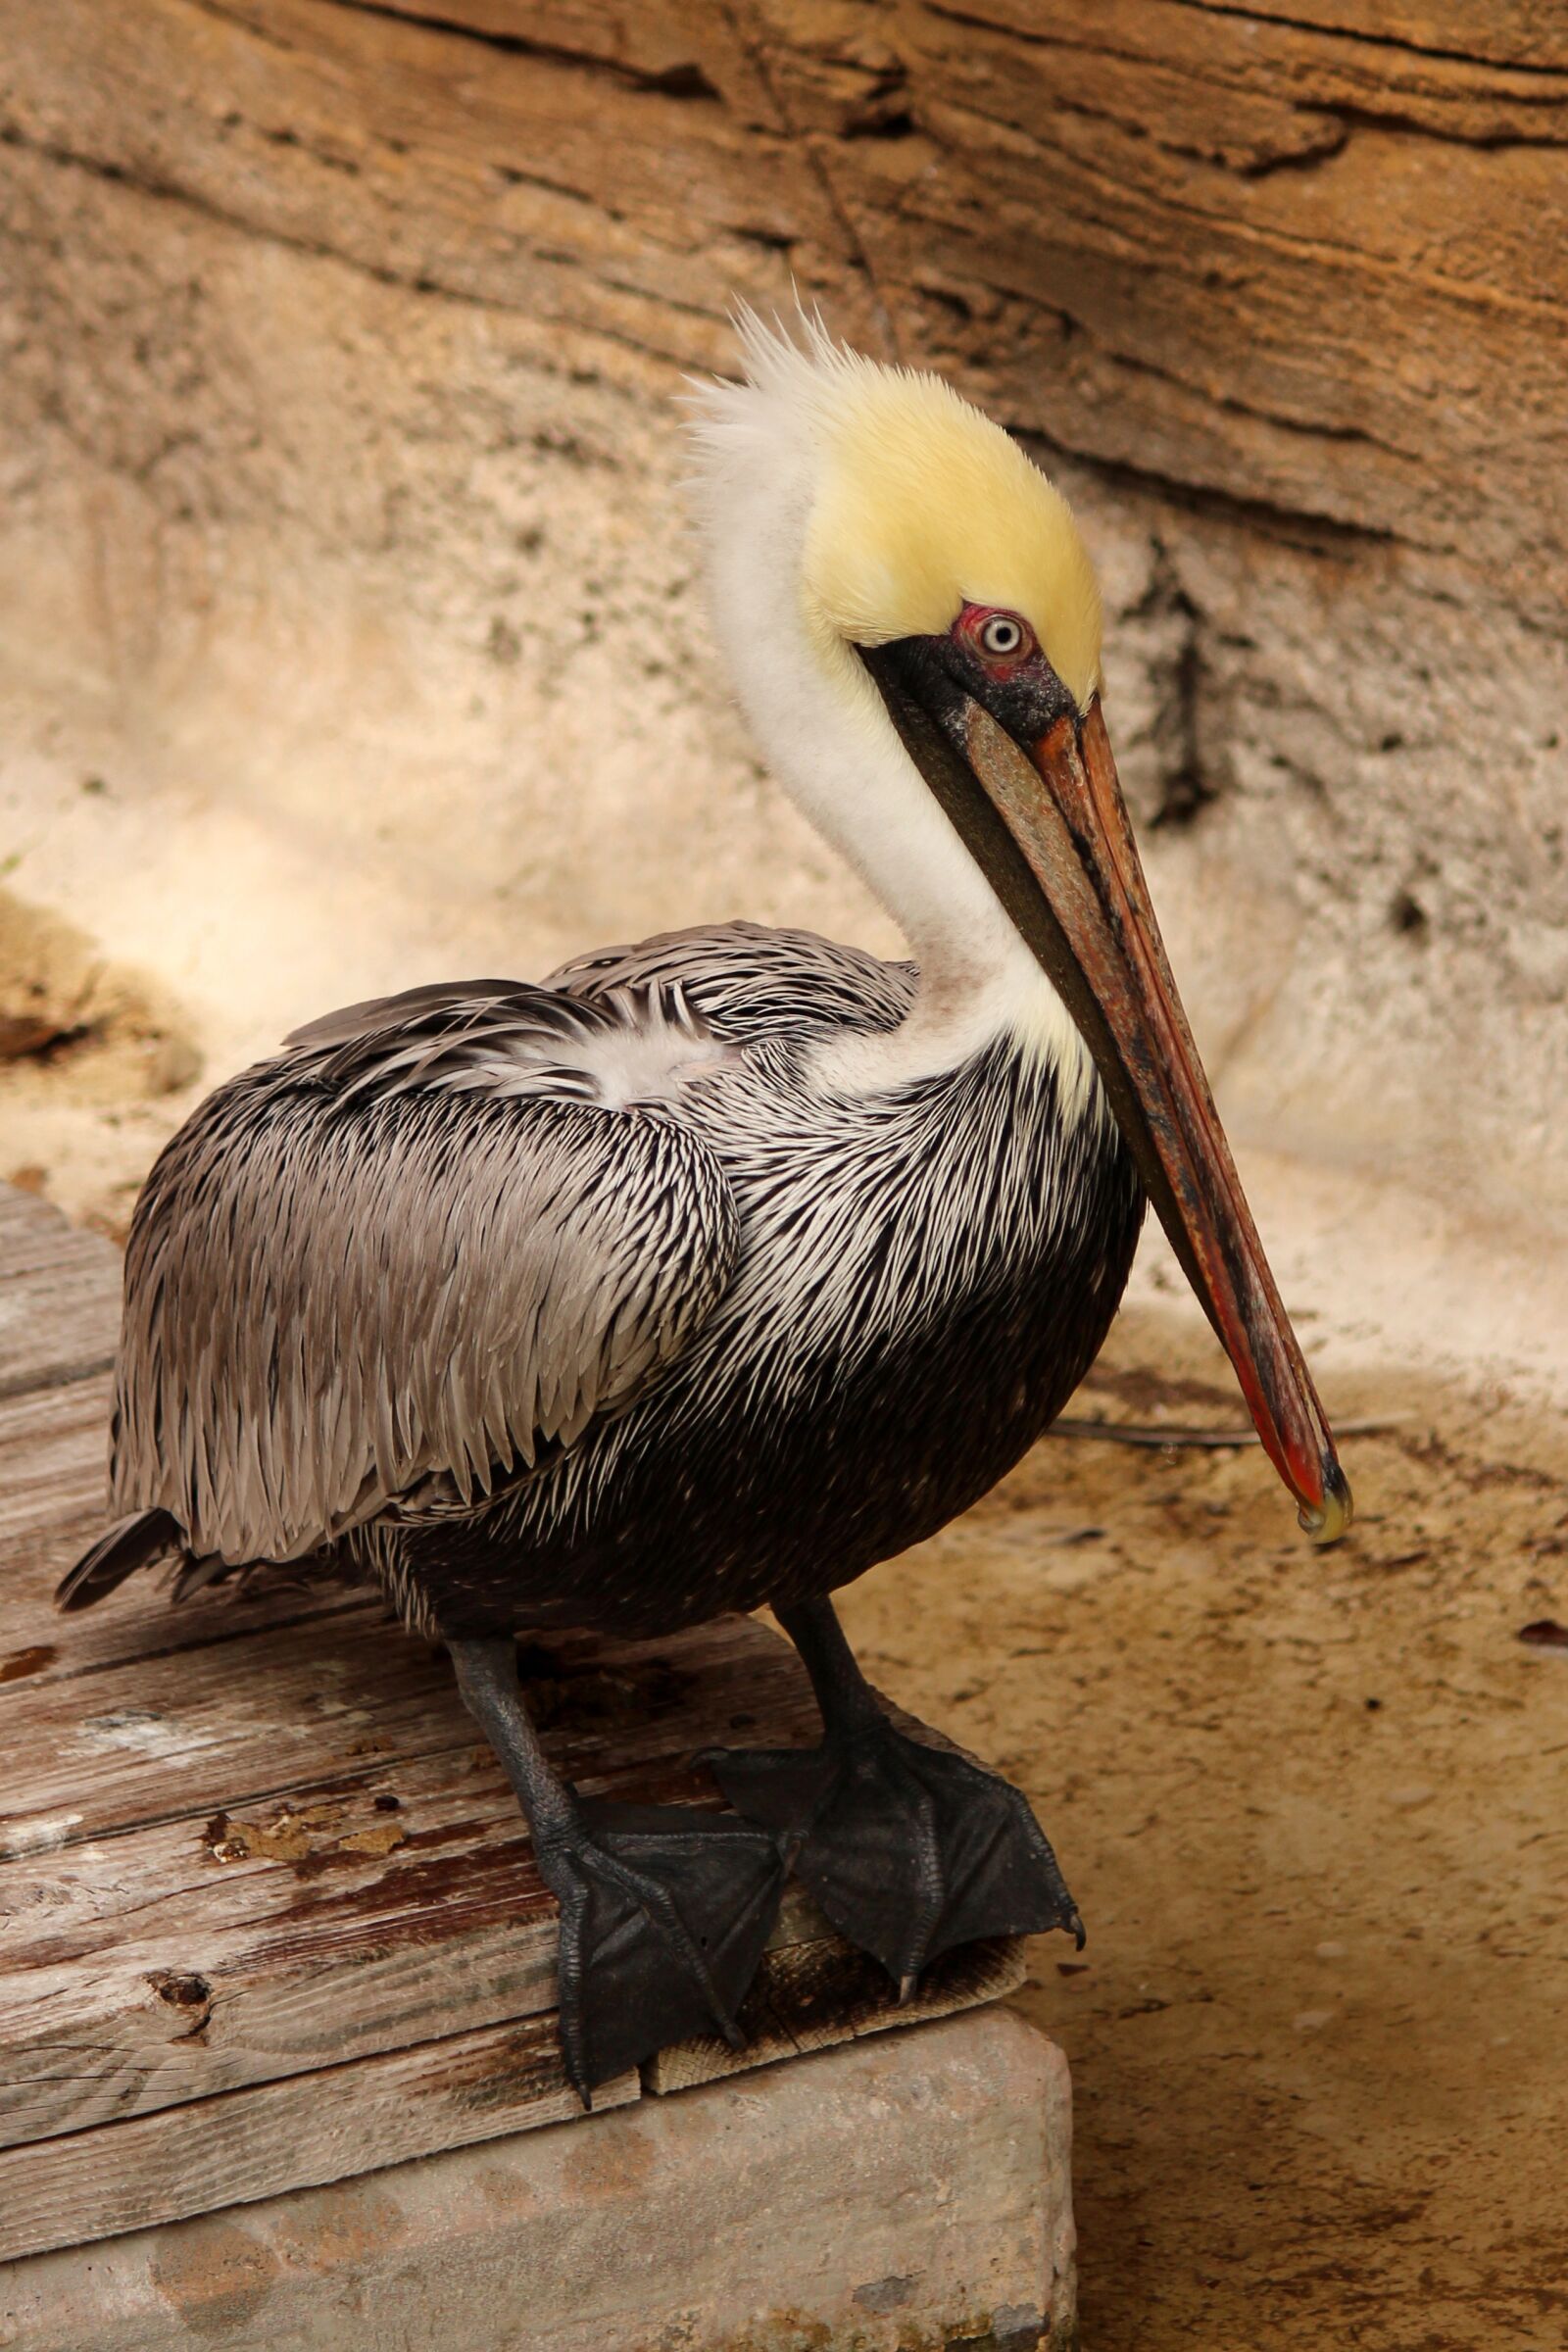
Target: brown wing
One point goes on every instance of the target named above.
(420, 1245)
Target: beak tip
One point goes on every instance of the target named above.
(1326, 1522)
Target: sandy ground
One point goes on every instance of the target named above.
(1312, 1807)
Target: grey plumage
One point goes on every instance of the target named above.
(581, 1303)
(409, 1250)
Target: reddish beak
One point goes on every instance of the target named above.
(1064, 807)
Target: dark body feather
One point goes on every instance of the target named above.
(584, 1306)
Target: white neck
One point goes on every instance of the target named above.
(816, 714)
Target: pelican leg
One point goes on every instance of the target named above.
(910, 1849)
(664, 1912)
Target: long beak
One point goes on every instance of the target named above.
(1064, 863)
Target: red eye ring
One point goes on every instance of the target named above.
(1001, 639)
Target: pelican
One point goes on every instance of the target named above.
(712, 1271)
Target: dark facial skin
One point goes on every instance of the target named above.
(990, 655)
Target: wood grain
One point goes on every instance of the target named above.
(54, 1449)
(59, 1297)
(268, 1914)
(318, 2127)
(291, 1933)
(811, 1993)
(226, 1724)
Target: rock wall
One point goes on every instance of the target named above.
(347, 627)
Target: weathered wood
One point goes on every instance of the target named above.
(267, 1912)
(290, 1933)
(163, 1738)
(59, 1297)
(809, 1995)
(148, 1970)
(927, 2171)
(54, 1446)
(1210, 242)
(291, 2135)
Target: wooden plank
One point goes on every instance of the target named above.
(313, 2127)
(131, 1988)
(231, 1725)
(59, 1297)
(267, 1912)
(38, 1646)
(225, 1725)
(53, 1444)
(751, 2218)
(348, 1913)
(54, 1456)
(813, 1991)
(225, 1974)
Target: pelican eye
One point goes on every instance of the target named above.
(1002, 636)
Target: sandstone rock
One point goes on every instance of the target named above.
(348, 630)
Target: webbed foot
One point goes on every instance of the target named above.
(664, 1912)
(664, 1917)
(908, 1849)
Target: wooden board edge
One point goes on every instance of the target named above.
(811, 1996)
(299, 2133)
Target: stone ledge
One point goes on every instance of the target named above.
(906, 2194)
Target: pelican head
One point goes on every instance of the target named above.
(906, 600)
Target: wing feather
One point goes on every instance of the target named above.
(747, 981)
(415, 1248)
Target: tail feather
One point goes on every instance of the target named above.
(131, 1543)
(197, 1574)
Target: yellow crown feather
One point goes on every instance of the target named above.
(924, 505)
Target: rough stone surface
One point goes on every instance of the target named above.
(896, 2196)
(347, 630)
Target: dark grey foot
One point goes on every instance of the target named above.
(664, 1917)
(664, 1912)
(910, 1849)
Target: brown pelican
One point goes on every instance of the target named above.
(712, 1271)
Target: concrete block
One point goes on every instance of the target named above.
(908, 2194)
